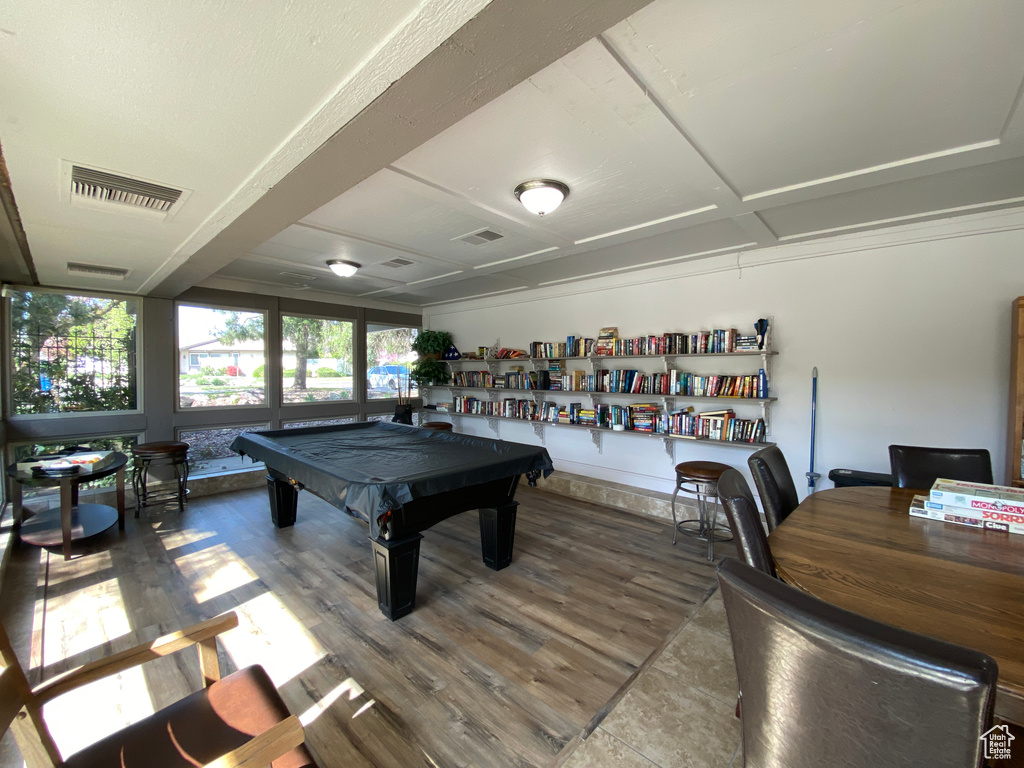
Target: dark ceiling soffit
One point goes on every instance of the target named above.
(13, 266)
(507, 42)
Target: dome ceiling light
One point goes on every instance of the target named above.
(343, 267)
(541, 196)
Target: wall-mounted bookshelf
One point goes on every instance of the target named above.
(592, 391)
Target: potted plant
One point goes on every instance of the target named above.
(429, 369)
(431, 343)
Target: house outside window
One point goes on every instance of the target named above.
(221, 357)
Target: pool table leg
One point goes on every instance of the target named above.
(497, 534)
(396, 565)
(284, 499)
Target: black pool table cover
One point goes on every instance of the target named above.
(367, 468)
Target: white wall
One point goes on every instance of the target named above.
(909, 329)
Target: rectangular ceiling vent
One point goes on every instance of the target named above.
(481, 237)
(95, 270)
(396, 263)
(100, 186)
(298, 276)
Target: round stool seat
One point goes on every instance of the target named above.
(165, 448)
(442, 426)
(700, 479)
(705, 471)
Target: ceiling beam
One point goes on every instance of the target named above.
(507, 42)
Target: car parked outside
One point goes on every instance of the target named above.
(387, 377)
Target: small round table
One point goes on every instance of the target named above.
(700, 478)
(73, 521)
(168, 453)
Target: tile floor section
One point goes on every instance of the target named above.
(680, 712)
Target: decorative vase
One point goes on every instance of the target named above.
(403, 414)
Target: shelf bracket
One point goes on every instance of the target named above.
(538, 430)
(495, 424)
(670, 447)
(596, 438)
(766, 408)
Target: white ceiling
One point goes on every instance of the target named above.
(688, 129)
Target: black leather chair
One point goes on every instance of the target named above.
(740, 508)
(774, 485)
(917, 467)
(821, 686)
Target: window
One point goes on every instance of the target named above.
(389, 357)
(72, 353)
(318, 422)
(316, 360)
(221, 357)
(209, 450)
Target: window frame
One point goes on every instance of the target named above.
(281, 313)
(178, 408)
(8, 357)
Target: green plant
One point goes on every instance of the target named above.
(288, 373)
(202, 381)
(428, 371)
(326, 373)
(258, 373)
(432, 342)
(217, 382)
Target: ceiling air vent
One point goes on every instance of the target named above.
(101, 186)
(298, 276)
(481, 237)
(95, 270)
(396, 263)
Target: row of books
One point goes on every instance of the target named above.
(978, 505)
(718, 341)
(619, 381)
(638, 417)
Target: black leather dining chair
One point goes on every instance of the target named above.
(774, 485)
(738, 502)
(821, 686)
(918, 467)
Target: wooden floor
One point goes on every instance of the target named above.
(492, 669)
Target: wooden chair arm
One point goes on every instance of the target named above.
(202, 633)
(262, 750)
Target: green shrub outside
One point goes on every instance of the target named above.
(258, 373)
(326, 373)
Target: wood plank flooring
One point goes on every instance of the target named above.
(492, 669)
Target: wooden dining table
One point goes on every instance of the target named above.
(860, 549)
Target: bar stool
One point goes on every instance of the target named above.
(700, 478)
(148, 455)
(442, 426)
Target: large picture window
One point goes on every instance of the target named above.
(221, 357)
(389, 357)
(316, 361)
(72, 353)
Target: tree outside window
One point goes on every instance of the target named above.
(389, 356)
(72, 353)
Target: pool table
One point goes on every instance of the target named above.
(400, 480)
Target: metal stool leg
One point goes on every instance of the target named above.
(675, 525)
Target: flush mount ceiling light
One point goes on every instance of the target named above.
(541, 196)
(343, 268)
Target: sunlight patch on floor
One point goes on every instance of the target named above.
(214, 571)
(269, 634)
(64, 571)
(349, 688)
(81, 717)
(61, 629)
(172, 539)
